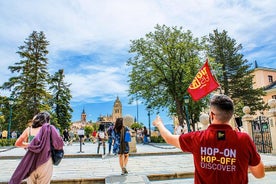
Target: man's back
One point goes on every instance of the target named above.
(221, 155)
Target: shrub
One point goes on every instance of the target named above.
(157, 139)
(7, 142)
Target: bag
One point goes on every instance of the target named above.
(127, 136)
(57, 155)
(101, 135)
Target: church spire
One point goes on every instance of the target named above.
(83, 116)
(256, 64)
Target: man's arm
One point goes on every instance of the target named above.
(165, 133)
(258, 171)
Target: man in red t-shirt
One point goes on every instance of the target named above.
(221, 154)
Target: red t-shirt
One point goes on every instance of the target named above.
(221, 155)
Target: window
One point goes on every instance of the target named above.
(270, 79)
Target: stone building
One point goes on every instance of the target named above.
(79, 124)
(266, 78)
(117, 112)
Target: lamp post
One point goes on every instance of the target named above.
(137, 110)
(186, 101)
(9, 128)
(148, 109)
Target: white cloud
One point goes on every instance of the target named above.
(101, 30)
(99, 81)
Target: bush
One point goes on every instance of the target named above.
(137, 126)
(157, 139)
(7, 142)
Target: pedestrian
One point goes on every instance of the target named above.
(102, 138)
(5, 134)
(110, 140)
(121, 147)
(65, 136)
(178, 130)
(145, 135)
(94, 136)
(71, 137)
(221, 154)
(14, 135)
(37, 165)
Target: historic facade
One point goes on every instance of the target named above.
(117, 112)
(79, 124)
(266, 78)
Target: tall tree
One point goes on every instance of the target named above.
(61, 100)
(236, 79)
(28, 86)
(163, 65)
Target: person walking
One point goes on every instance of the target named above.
(110, 139)
(37, 168)
(120, 146)
(145, 135)
(65, 136)
(221, 154)
(102, 137)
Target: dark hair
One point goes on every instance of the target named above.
(223, 106)
(118, 124)
(40, 118)
(101, 127)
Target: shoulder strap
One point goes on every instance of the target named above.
(50, 134)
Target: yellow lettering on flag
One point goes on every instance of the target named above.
(200, 79)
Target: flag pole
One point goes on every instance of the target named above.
(220, 90)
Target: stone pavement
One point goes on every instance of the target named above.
(159, 162)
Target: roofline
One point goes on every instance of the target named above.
(265, 68)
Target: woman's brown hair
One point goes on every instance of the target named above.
(118, 124)
(40, 119)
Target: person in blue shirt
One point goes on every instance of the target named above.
(121, 147)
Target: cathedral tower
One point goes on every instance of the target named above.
(83, 116)
(117, 109)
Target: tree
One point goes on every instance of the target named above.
(136, 125)
(88, 129)
(236, 79)
(28, 86)
(163, 65)
(61, 100)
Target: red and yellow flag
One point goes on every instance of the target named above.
(203, 83)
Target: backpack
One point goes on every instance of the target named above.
(109, 131)
(101, 135)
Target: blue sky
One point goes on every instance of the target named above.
(90, 39)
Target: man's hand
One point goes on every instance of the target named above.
(157, 121)
(165, 133)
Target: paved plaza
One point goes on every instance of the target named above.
(159, 162)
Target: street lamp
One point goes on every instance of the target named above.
(148, 109)
(9, 129)
(186, 101)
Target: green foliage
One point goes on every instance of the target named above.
(7, 142)
(61, 100)
(31, 87)
(157, 139)
(136, 125)
(236, 74)
(88, 130)
(28, 86)
(163, 65)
